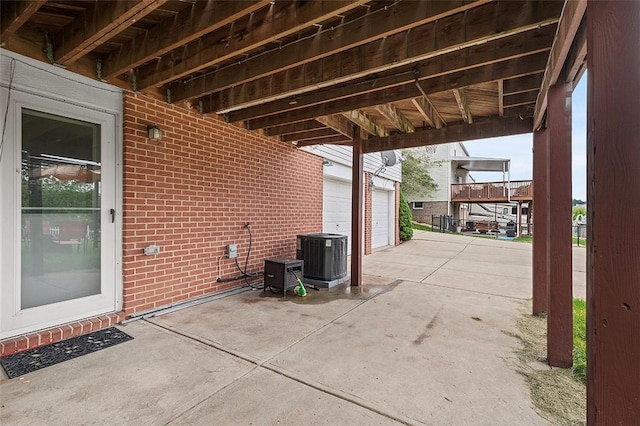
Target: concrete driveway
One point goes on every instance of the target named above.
(427, 340)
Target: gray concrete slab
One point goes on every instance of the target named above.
(149, 380)
(427, 340)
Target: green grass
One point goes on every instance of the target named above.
(420, 227)
(524, 239)
(583, 241)
(580, 340)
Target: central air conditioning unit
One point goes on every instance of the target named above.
(325, 258)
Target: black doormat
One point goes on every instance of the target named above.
(34, 359)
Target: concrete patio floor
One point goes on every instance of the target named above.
(427, 340)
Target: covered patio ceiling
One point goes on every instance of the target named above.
(398, 73)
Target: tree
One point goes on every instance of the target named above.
(579, 213)
(406, 229)
(416, 180)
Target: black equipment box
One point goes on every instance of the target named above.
(282, 274)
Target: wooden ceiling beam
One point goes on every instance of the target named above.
(490, 128)
(474, 26)
(334, 140)
(13, 14)
(100, 22)
(524, 83)
(373, 30)
(276, 25)
(482, 74)
(312, 134)
(575, 64)
(463, 105)
(263, 96)
(428, 111)
(201, 18)
(339, 123)
(289, 128)
(396, 117)
(570, 20)
(367, 125)
(521, 98)
(501, 98)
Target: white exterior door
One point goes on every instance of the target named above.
(380, 223)
(57, 214)
(336, 208)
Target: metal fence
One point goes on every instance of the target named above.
(579, 234)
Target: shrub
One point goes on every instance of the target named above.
(406, 230)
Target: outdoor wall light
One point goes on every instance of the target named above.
(327, 163)
(154, 132)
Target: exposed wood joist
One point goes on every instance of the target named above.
(428, 111)
(277, 25)
(176, 31)
(365, 123)
(262, 96)
(575, 64)
(523, 83)
(333, 140)
(372, 29)
(396, 117)
(407, 91)
(299, 127)
(500, 98)
(311, 134)
(463, 105)
(100, 22)
(338, 123)
(15, 14)
(466, 29)
(518, 99)
(491, 128)
(568, 25)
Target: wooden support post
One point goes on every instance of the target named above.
(357, 201)
(519, 219)
(540, 260)
(613, 203)
(560, 298)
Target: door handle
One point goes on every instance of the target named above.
(112, 212)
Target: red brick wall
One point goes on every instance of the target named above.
(191, 194)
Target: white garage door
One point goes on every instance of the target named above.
(336, 208)
(380, 218)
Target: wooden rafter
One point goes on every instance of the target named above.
(371, 29)
(396, 117)
(365, 123)
(333, 140)
(289, 128)
(407, 91)
(176, 31)
(463, 105)
(575, 64)
(523, 83)
(419, 44)
(501, 98)
(453, 133)
(338, 123)
(570, 19)
(261, 97)
(522, 98)
(297, 16)
(311, 134)
(427, 110)
(100, 22)
(15, 14)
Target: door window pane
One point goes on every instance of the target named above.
(60, 248)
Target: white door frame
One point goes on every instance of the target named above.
(13, 320)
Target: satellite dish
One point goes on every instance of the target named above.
(388, 158)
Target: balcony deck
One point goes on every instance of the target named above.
(492, 192)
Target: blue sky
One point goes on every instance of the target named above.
(519, 148)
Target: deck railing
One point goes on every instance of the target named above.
(518, 190)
